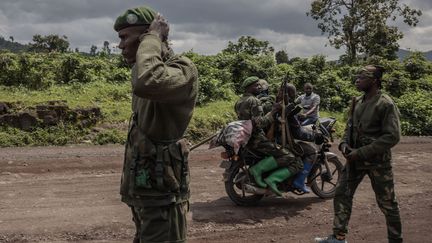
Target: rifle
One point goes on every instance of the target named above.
(351, 123)
(283, 118)
(205, 140)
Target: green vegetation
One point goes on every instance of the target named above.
(362, 27)
(102, 80)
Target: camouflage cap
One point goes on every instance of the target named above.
(135, 17)
(248, 81)
(365, 72)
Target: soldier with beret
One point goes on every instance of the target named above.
(373, 129)
(287, 164)
(155, 178)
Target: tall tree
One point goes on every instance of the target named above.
(361, 26)
(249, 45)
(93, 49)
(281, 57)
(49, 43)
(106, 49)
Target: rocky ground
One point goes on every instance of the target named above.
(70, 194)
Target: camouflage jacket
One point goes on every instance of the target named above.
(376, 129)
(164, 93)
(267, 102)
(249, 108)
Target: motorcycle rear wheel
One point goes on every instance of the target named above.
(323, 185)
(237, 177)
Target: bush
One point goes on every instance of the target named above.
(335, 93)
(210, 118)
(416, 113)
(417, 66)
(110, 136)
(58, 135)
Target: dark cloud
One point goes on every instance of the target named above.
(203, 25)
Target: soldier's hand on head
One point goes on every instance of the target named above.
(160, 26)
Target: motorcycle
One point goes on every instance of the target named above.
(325, 173)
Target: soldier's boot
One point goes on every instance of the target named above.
(331, 239)
(299, 181)
(276, 177)
(263, 166)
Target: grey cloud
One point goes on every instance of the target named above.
(205, 26)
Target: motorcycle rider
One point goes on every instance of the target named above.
(249, 108)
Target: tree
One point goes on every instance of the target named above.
(11, 38)
(93, 49)
(361, 25)
(49, 43)
(281, 57)
(249, 45)
(106, 49)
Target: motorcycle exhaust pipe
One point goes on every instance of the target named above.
(256, 190)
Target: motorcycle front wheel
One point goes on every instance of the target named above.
(324, 181)
(234, 187)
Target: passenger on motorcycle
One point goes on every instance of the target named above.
(267, 100)
(300, 133)
(287, 164)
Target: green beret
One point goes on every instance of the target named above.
(249, 80)
(135, 17)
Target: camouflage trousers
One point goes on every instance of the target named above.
(383, 186)
(284, 157)
(160, 224)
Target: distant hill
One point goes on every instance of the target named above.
(404, 53)
(11, 46)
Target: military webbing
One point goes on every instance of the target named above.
(159, 166)
(132, 171)
(185, 171)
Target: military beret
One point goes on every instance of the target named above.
(135, 17)
(249, 80)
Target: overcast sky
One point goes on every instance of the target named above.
(205, 26)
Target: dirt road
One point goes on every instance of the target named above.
(70, 194)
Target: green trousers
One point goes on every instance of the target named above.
(383, 186)
(161, 224)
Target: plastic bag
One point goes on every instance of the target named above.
(235, 134)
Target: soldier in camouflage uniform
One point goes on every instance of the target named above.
(249, 108)
(372, 130)
(155, 178)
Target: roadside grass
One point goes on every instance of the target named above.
(114, 99)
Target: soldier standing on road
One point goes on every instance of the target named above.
(372, 130)
(155, 178)
(249, 108)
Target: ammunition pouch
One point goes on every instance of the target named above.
(155, 173)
